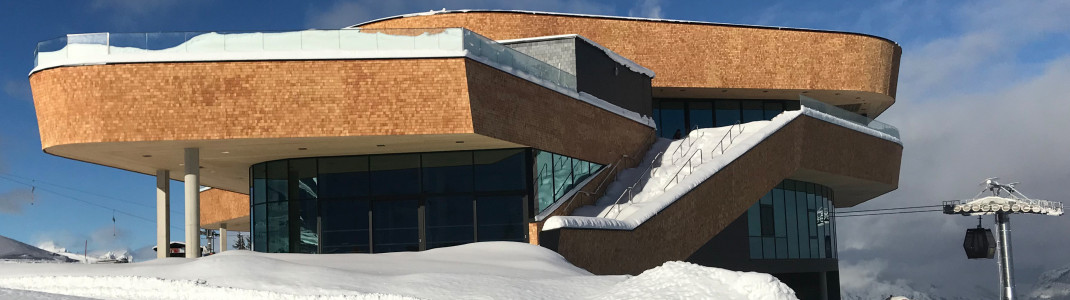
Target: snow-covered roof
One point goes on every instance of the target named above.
(634, 66)
(444, 11)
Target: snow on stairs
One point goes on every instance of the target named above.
(668, 171)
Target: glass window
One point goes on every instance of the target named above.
(395, 225)
(277, 185)
(779, 219)
(305, 172)
(755, 247)
(345, 226)
(727, 112)
(447, 172)
(800, 213)
(343, 177)
(544, 180)
(395, 174)
(259, 183)
(399, 202)
(260, 227)
(700, 114)
(308, 234)
(778, 212)
(449, 221)
(767, 220)
(562, 175)
(501, 170)
(672, 119)
(657, 116)
(580, 170)
(752, 110)
(768, 247)
(754, 220)
(791, 220)
(278, 231)
(772, 109)
(501, 218)
(781, 248)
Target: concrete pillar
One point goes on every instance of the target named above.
(193, 203)
(222, 238)
(163, 213)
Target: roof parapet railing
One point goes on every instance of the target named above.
(834, 111)
(104, 48)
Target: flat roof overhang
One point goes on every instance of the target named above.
(709, 60)
(140, 116)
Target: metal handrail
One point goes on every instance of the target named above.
(686, 141)
(614, 170)
(731, 138)
(628, 191)
(720, 145)
(690, 169)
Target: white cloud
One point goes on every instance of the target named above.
(348, 12)
(15, 201)
(647, 9)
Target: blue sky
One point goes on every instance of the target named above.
(982, 93)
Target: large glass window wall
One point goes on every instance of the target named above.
(557, 175)
(394, 202)
(672, 115)
(792, 222)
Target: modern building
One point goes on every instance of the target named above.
(443, 128)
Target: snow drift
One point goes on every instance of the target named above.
(488, 270)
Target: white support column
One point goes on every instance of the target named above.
(193, 203)
(222, 238)
(163, 213)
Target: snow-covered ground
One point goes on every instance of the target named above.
(489, 270)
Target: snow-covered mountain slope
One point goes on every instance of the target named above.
(12, 250)
(488, 270)
(1053, 285)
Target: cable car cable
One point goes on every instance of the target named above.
(886, 213)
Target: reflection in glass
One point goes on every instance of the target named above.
(700, 114)
(395, 174)
(343, 177)
(728, 112)
(498, 218)
(447, 172)
(784, 220)
(397, 202)
(344, 226)
(449, 221)
(672, 119)
(395, 226)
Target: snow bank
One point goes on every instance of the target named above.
(32, 295)
(660, 190)
(488, 270)
(682, 280)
